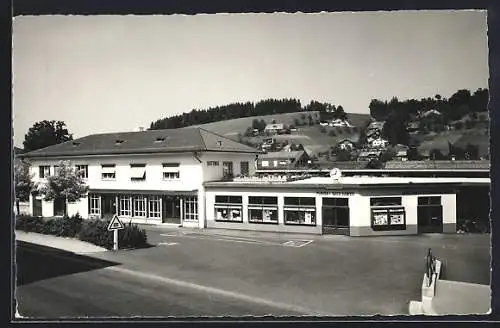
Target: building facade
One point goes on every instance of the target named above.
(355, 206)
(196, 178)
(143, 180)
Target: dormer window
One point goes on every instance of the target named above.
(76, 143)
(219, 143)
(119, 141)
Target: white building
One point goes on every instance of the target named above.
(196, 178)
(274, 128)
(356, 206)
(145, 177)
(379, 143)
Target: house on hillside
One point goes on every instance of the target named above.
(348, 143)
(368, 155)
(413, 127)
(429, 113)
(339, 123)
(379, 143)
(376, 125)
(283, 160)
(274, 128)
(267, 144)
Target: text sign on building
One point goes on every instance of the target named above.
(115, 224)
(331, 193)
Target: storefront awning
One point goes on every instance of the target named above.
(137, 172)
(171, 169)
(144, 192)
(110, 169)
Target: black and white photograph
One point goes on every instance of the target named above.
(251, 165)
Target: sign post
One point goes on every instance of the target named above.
(114, 225)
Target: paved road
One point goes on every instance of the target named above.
(209, 273)
(56, 284)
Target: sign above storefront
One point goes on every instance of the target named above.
(335, 193)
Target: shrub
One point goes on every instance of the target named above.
(132, 237)
(322, 129)
(68, 226)
(96, 232)
(472, 226)
(29, 223)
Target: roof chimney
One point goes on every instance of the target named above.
(140, 129)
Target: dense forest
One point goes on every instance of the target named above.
(237, 110)
(228, 112)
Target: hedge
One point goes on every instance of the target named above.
(94, 231)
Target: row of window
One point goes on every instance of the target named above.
(142, 206)
(44, 170)
(138, 171)
(264, 209)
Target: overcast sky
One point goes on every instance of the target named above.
(116, 73)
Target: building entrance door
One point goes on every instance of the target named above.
(430, 215)
(108, 206)
(171, 209)
(335, 216)
(37, 207)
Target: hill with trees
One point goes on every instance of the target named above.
(248, 109)
(397, 114)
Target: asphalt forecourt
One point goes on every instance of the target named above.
(175, 237)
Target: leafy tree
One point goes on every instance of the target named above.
(310, 119)
(256, 124)
(412, 154)
(343, 155)
(65, 185)
(387, 155)
(459, 125)
(249, 132)
(379, 110)
(303, 117)
(339, 113)
(471, 152)
(46, 133)
(24, 184)
(296, 122)
(262, 125)
(375, 164)
(436, 154)
(395, 131)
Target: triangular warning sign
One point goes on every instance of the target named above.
(115, 224)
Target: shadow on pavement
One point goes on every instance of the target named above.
(36, 262)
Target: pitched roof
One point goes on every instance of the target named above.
(145, 142)
(283, 154)
(274, 126)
